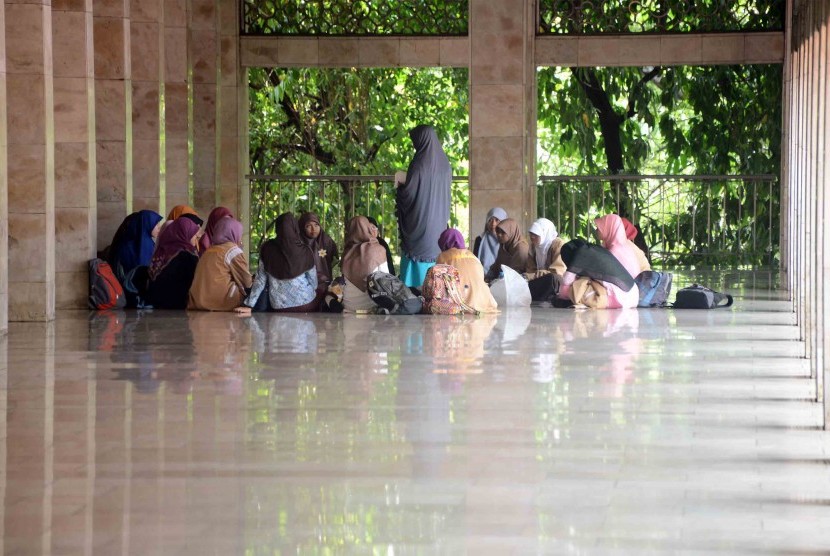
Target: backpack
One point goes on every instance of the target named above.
(700, 297)
(441, 290)
(654, 287)
(105, 292)
(391, 295)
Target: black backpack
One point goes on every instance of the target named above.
(655, 288)
(700, 297)
(391, 295)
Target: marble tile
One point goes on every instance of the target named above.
(203, 14)
(175, 109)
(763, 49)
(679, 49)
(494, 167)
(556, 51)
(497, 58)
(417, 52)
(175, 13)
(383, 53)
(110, 216)
(72, 109)
(204, 110)
(497, 110)
(254, 52)
(177, 168)
(110, 8)
(203, 50)
(28, 51)
(110, 47)
(336, 51)
(145, 168)
(639, 50)
(69, 40)
(72, 175)
(110, 110)
(229, 160)
(25, 102)
(145, 112)
(145, 10)
(110, 166)
(144, 51)
(727, 48)
(72, 289)
(598, 51)
(293, 52)
(229, 61)
(455, 52)
(27, 178)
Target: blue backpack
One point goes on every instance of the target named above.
(654, 287)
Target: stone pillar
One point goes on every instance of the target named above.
(145, 59)
(176, 103)
(4, 179)
(113, 116)
(502, 115)
(31, 157)
(204, 54)
(233, 121)
(75, 197)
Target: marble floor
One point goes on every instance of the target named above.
(536, 431)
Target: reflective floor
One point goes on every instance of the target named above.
(535, 431)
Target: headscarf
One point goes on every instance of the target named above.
(488, 249)
(322, 247)
(423, 202)
(612, 233)
(597, 262)
(133, 244)
(215, 216)
(630, 230)
(546, 231)
(451, 239)
(174, 239)
(227, 230)
(390, 262)
(180, 210)
(514, 236)
(362, 253)
(286, 257)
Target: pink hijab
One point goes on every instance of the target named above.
(612, 233)
(215, 216)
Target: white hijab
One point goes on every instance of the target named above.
(489, 247)
(545, 229)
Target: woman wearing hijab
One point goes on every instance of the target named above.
(545, 267)
(513, 249)
(222, 275)
(134, 242)
(423, 205)
(611, 233)
(390, 262)
(454, 253)
(635, 235)
(596, 278)
(286, 275)
(362, 255)
(180, 210)
(486, 246)
(173, 265)
(322, 247)
(215, 216)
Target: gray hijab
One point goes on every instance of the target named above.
(423, 202)
(488, 249)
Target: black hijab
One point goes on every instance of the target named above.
(597, 262)
(287, 256)
(423, 202)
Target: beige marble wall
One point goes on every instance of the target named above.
(4, 179)
(75, 171)
(146, 49)
(31, 155)
(113, 104)
(177, 89)
(232, 122)
(501, 109)
(204, 56)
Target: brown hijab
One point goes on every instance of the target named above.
(514, 252)
(362, 253)
(287, 256)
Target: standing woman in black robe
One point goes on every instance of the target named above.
(423, 205)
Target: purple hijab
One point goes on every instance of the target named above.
(173, 239)
(451, 239)
(227, 230)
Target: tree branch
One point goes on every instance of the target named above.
(655, 71)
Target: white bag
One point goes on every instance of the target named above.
(512, 290)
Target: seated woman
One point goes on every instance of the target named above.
(486, 246)
(453, 252)
(362, 255)
(134, 242)
(322, 248)
(215, 216)
(222, 277)
(286, 276)
(611, 233)
(513, 249)
(595, 278)
(173, 265)
(390, 262)
(544, 268)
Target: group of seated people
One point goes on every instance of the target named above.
(181, 262)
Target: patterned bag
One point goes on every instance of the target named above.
(442, 291)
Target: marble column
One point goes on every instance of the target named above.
(75, 172)
(113, 115)
(233, 110)
(204, 54)
(502, 115)
(31, 157)
(4, 180)
(146, 34)
(177, 95)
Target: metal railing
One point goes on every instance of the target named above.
(336, 199)
(686, 220)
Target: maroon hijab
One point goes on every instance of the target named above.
(172, 240)
(451, 239)
(214, 217)
(287, 256)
